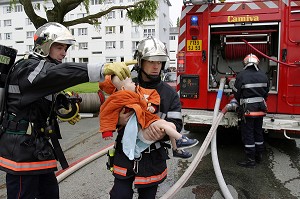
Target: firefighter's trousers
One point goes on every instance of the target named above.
(252, 136)
(122, 189)
(43, 186)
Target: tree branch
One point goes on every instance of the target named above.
(35, 19)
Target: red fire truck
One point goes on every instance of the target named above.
(214, 38)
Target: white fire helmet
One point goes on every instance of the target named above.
(151, 49)
(48, 34)
(250, 60)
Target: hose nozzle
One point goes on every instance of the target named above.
(232, 106)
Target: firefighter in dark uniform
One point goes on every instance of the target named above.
(30, 117)
(251, 90)
(151, 169)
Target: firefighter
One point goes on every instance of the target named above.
(29, 117)
(150, 169)
(251, 90)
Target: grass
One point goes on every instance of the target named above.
(85, 88)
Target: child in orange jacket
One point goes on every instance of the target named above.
(144, 102)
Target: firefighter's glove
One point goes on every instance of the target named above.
(118, 68)
(75, 119)
(67, 107)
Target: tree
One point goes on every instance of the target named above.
(138, 12)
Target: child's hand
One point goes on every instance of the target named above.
(151, 109)
(108, 138)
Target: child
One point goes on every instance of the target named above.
(144, 102)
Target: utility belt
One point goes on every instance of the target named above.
(14, 127)
(22, 127)
(152, 147)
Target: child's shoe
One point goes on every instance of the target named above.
(184, 142)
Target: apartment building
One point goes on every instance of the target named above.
(115, 39)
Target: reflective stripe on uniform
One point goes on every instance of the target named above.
(251, 100)
(14, 89)
(120, 170)
(249, 146)
(150, 179)
(255, 85)
(259, 113)
(36, 71)
(259, 143)
(27, 166)
(174, 115)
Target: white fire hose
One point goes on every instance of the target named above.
(215, 123)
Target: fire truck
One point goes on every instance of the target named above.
(214, 37)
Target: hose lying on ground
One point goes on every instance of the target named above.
(62, 174)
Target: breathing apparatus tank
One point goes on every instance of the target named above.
(7, 60)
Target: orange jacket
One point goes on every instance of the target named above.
(110, 109)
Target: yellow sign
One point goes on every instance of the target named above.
(247, 18)
(194, 45)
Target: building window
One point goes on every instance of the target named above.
(121, 13)
(81, 15)
(83, 60)
(0, 36)
(111, 15)
(29, 34)
(110, 59)
(95, 2)
(29, 47)
(110, 45)
(72, 31)
(134, 45)
(109, 1)
(121, 44)
(36, 6)
(110, 29)
(7, 22)
(6, 9)
(149, 32)
(82, 31)
(28, 22)
(19, 8)
(122, 59)
(172, 38)
(97, 52)
(121, 29)
(7, 36)
(83, 46)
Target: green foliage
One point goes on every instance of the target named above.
(143, 11)
(85, 88)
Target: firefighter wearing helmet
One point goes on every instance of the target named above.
(29, 118)
(151, 169)
(251, 90)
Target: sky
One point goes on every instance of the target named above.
(175, 10)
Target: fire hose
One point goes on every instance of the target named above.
(215, 123)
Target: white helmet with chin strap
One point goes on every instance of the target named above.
(151, 49)
(48, 34)
(250, 60)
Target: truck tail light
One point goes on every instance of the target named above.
(181, 61)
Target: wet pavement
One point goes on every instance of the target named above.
(278, 176)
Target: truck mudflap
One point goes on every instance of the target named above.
(276, 122)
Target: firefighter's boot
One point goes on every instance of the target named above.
(248, 163)
(258, 157)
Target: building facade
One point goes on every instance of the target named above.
(114, 39)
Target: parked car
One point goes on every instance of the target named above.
(171, 79)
